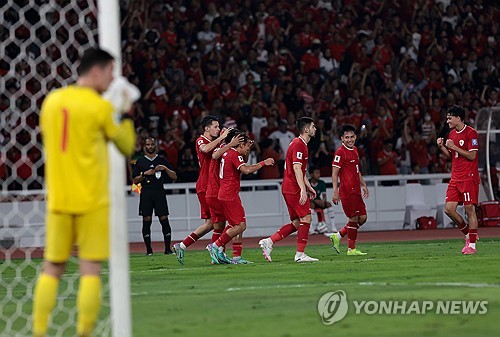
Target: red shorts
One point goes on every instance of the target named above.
(463, 192)
(234, 211)
(205, 210)
(353, 205)
(295, 209)
(216, 210)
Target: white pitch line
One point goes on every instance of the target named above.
(370, 284)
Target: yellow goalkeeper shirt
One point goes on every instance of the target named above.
(76, 124)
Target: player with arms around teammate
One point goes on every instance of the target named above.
(296, 191)
(462, 146)
(232, 165)
(205, 145)
(76, 124)
(151, 171)
(216, 208)
(346, 167)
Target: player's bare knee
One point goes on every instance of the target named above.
(306, 218)
(163, 217)
(362, 219)
(55, 269)
(241, 227)
(449, 209)
(88, 267)
(147, 218)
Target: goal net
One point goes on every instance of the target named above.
(41, 41)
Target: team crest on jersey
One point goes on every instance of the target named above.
(461, 142)
(474, 142)
(299, 155)
(336, 159)
(240, 158)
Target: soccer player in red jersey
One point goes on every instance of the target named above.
(216, 209)
(232, 165)
(296, 190)
(345, 166)
(462, 146)
(205, 144)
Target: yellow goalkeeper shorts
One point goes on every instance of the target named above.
(89, 231)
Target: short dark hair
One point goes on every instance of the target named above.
(303, 122)
(208, 120)
(346, 128)
(313, 168)
(233, 133)
(457, 111)
(92, 57)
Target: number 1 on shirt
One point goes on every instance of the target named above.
(64, 138)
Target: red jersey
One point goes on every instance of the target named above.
(213, 175)
(463, 169)
(297, 153)
(347, 161)
(204, 162)
(229, 174)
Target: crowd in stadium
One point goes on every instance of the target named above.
(389, 67)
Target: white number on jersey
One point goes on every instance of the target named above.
(221, 170)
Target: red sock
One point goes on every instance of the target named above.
(237, 249)
(190, 239)
(302, 236)
(216, 234)
(283, 232)
(223, 240)
(343, 231)
(352, 234)
(321, 214)
(464, 228)
(472, 235)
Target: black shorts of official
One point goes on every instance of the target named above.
(151, 199)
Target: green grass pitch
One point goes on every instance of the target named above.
(280, 299)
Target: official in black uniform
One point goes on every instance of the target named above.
(152, 171)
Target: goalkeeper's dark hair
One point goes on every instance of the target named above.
(457, 111)
(346, 128)
(92, 57)
(303, 122)
(208, 120)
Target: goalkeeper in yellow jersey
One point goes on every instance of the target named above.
(76, 125)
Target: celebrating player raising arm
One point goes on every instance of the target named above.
(205, 144)
(462, 146)
(232, 165)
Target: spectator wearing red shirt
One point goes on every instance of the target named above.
(268, 151)
(418, 149)
(387, 160)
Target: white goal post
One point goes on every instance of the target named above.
(119, 281)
